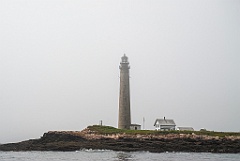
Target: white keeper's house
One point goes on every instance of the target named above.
(164, 124)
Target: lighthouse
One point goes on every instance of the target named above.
(124, 117)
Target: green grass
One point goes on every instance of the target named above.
(105, 130)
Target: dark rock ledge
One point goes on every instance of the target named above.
(86, 139)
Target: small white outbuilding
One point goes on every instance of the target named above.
(135, 127)
(185, 129)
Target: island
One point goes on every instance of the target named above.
(110, 138)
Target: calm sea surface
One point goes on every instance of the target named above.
(89, 155)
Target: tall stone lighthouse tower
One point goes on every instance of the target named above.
(124, 118)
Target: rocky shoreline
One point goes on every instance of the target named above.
(87, 139)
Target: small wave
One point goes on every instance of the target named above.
(94, 150)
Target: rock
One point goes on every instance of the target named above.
(71, 141)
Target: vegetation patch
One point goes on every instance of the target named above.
(105, 130)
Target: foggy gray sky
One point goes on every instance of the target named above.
(59, 63)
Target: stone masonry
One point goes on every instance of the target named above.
(124, 118)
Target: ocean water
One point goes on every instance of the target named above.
(104, 155)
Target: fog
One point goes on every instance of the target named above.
(59, 64)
